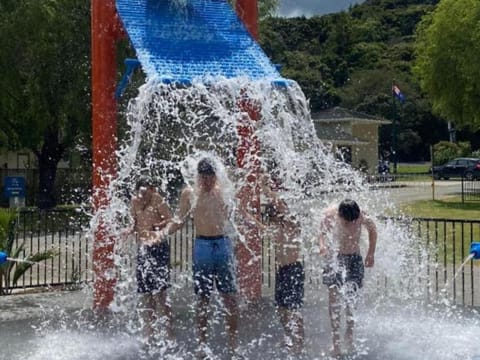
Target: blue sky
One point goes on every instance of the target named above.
(291, 8)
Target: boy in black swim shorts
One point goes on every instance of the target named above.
(290, 277)
(344, 270)
(149, 211)
(349, 269)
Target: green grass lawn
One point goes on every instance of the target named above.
(412, 172)
(413, 168)
(447, 208)
(452, 236)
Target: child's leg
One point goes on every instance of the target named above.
(350, 323)
(284, 316)
(147, 316)
(232, 316)
(334, 310)
(298, 332)
(165, 312)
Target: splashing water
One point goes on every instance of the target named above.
(460, 268)
(169, 128)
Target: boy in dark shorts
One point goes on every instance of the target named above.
(290, 276)
(340, 245)
(149, 211)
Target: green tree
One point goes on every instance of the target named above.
(44, 75)
(352, 57)
(445, 151)
(267, 7)
(448, 49)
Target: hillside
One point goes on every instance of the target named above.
(351, 59)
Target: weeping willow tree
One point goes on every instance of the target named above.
(44, 76)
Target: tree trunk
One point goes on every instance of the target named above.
(48, 159)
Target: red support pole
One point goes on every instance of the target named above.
(105, 32)
(247, 11)
(249, 253)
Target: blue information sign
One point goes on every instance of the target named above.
(14, 186)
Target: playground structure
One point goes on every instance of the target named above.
(394, 322)
(204, 38)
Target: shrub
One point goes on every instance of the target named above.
(476, 153)
(11, 271)
(444, 151)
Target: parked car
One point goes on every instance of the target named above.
(460, 167)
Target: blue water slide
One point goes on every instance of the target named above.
(183, 40)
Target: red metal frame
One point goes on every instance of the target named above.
(247, 11)
(249, 254)
(106, 30)
(105, 33)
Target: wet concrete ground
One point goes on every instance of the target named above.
(60, 326)
(53, 326)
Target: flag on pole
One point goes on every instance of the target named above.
(398, 93)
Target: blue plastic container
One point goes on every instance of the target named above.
(475, 250)
(3, 257)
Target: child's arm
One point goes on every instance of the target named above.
(176, 222)
(164, 214)
(184, 209)
(325, 228)
(372, 241)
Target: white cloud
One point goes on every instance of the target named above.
(308, 8)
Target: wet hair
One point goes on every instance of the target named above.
(271, 210)
(349, 210)
(143, 181)
(275, 210)
(205, 167)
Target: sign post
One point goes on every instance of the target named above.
(14, 190)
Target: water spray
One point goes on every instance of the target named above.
(4, 258)
(474, 254)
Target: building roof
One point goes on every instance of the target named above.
(339, 114)
(338, 136)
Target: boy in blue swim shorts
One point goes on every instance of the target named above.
(213, 263)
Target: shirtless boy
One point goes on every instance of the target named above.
(340, 245)
(290, 275)
(212, 252)
(148, 211)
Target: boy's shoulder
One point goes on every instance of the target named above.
(330, 211)
(135, 202)
(366, 219)
(187, 191)
(365, 216)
